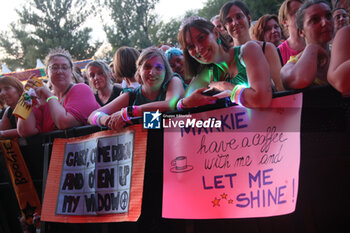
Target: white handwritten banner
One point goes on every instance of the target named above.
(248, 167)
(96, 178)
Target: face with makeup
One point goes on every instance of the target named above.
(152, 72)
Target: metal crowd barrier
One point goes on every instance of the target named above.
(323, 198)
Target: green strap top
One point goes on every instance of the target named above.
(240, 78)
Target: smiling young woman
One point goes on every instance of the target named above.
(214, 63)
(159, 90)
(236, 18)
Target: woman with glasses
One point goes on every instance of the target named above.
(69, 104)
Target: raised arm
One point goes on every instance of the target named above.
(339, 68)
(301, 74)
(259, 93)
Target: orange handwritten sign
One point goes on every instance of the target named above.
(96, 178)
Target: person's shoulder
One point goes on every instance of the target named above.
(250, 47)
(81, 86)
(342, 35)
(252, 44)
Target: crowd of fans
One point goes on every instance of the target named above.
(228, 56)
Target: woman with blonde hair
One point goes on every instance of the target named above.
(101, 81)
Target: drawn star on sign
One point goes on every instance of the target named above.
(224, 196)
(216, 202)
(29, 210)
(230, 201)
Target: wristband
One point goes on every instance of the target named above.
(236, 94)
(96, 118)
(124, 114)
(51, 97)
(180, 105)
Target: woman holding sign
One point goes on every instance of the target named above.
(239, 72)
(61, 110)
(11, 90)
(159, 90)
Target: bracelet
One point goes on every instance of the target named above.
(180, 105)
(124, 114)
(236, 94)
(96, 118)
(51, 97)
(135, 111)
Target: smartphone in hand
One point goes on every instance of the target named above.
(211, 92)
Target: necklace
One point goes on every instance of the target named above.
(64, 94)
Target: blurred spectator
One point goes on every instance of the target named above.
(101, 80)
(164, 47)
(286, 17)
(341, 18)
(2, 106)
(11, 90)
(69, 107)
(268, 29)
(218, 24)
(124, 64)
(175, 58)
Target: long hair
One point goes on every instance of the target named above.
(191, 66)
(149, 53)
